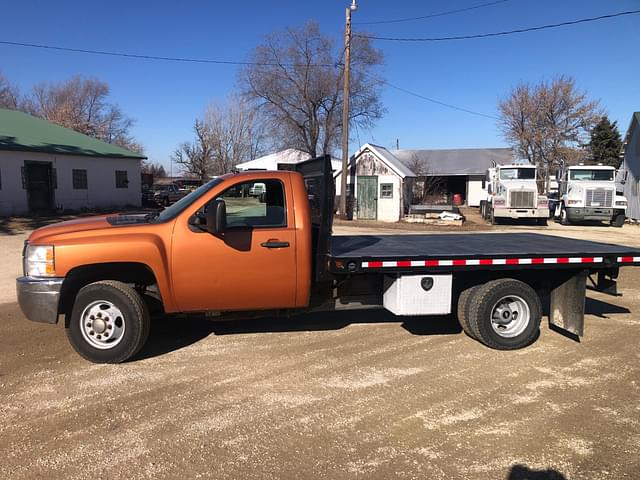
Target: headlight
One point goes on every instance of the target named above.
(621, 203)
(39, 261)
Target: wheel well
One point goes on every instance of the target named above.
(137, 274)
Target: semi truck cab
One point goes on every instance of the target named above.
(512, 192)
(588, 192)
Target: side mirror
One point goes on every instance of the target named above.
(216, 216)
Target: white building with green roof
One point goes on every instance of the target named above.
(45, 167)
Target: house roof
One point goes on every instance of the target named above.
(288, 156)
(446, 162)
(459, 161)
(387, 157)
(23, 132)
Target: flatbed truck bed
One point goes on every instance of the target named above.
(477, 251)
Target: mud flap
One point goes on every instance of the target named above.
(567, 303)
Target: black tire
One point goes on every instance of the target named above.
(542, 222)
(463, 309)
(564, 217)
(483, 208)
(135, 322)
(618, 220)
(492, 217)
(481, 306)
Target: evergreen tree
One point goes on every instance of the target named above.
(606, 143)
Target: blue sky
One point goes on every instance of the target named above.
(166, 97)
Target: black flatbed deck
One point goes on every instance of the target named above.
(360, 253)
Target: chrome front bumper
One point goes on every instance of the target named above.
(38, 298)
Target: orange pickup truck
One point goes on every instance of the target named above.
(221, 250)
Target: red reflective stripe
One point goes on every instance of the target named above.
(375, 264)
(512, 261)
(564, 260)
(587, 260)
(431, 263)
(486, 261)
(459, 263)
(626, 259)
(537, 260)
(404, 263)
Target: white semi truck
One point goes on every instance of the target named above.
(588, 193)
(512, 192)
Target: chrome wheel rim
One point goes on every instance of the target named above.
(510, 316)
(102, 324)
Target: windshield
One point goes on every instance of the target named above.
(517, 174)
(177, 208)
(591, 175)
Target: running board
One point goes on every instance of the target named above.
(567, 303)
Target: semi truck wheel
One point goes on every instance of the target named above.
(505, 314)
(463, 309)
(564, 218)
(492, 217)
(618, 220)
(109, 322)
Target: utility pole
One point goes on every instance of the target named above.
(345, 108)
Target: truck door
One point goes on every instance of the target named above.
(252, 265)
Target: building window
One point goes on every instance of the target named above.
(121, 179)
(79, 179)
(386, 190)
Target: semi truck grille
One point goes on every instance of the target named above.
(599, 197)
(522, 199)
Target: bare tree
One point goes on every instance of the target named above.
(297, 86)
(8, 94)
(195, 157)
(154, 169)
(82, 105)
(426, 185)
(235, 134)
(548, 123)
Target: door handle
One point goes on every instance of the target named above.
(274, 244)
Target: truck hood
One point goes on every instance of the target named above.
(47, 233)
(519, 184)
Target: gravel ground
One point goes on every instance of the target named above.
(358, 394)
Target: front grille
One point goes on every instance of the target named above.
(599, 197)
(522, 199)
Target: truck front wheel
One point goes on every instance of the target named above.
(505, 314)
(564, 217)
(618, 220)
(109, 322)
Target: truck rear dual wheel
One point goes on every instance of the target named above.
(504, 314)
(109, 322)
(464, 302)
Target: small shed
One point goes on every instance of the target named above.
(631, 168)
(45, 167)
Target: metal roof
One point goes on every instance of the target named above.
(445, 162)
(22, 132)
(288, 156)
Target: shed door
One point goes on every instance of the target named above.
(367, 198)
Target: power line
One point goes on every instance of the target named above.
(433, 15)
(162, 58)
(498, 34)
(438, 102)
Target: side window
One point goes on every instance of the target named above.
(255, 204)
(121, 179)
(386, 190)
(79, 178)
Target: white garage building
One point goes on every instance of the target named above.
(45, 167)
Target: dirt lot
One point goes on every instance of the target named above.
(326, 396)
